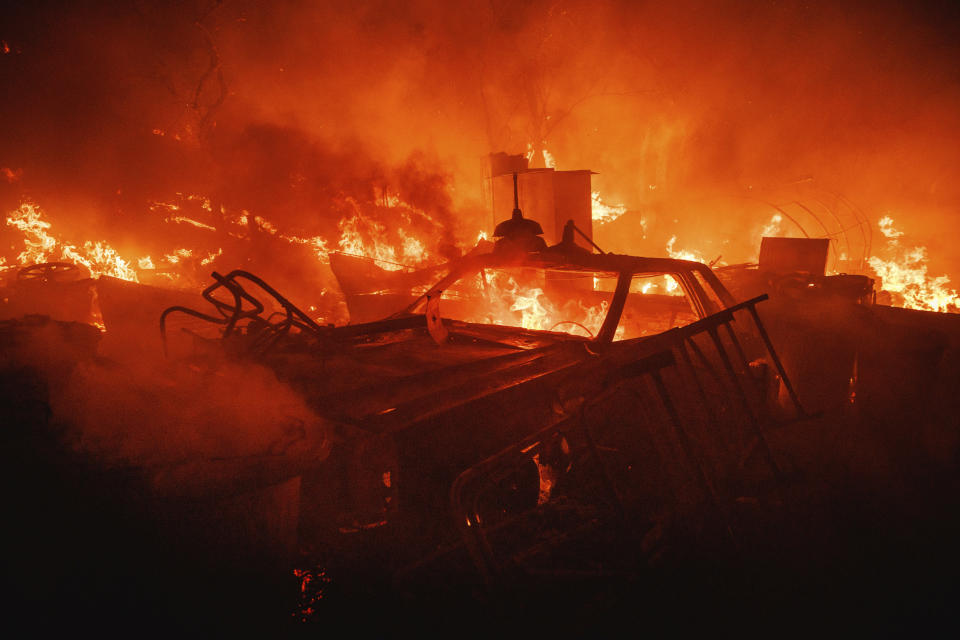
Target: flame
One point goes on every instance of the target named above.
(390, 231)
(211, 257)
(318, 243)
(533, 313)
(772, 228)
(904, 275)
(99, 258)
(886, 228)
(412, 250)
(352, 231)
(178, 255)
(603, 212)
(363, 236)
(191, 221)
(548, 160)
(266, 225)
(682, 254)
(503, 300)
(11, 175)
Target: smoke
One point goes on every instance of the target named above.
(280, 108)
(193, 430)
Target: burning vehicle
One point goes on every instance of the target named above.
(533, 398)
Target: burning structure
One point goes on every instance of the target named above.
(716, 373)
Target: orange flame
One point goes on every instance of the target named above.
(360, 235)
(683, 254)
(39, 246)
(603, 212)
(904, 275)
(507, 302)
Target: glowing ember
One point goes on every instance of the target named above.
(178, 255)
(904, 275)
(313, 585)
(191, 221)
(265, 225)
(211, 257)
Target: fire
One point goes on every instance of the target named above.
(39, 246)
(191, 221)
(682, 254)
(504, 300)
(318, 244)
(362, 232)
(412, 249)
(772, 228)
(352, 232)
(904, 275)
(361, 235)
(603, 212)
(213, 255)
(534, 315)
(548, 160)
(178, 255)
